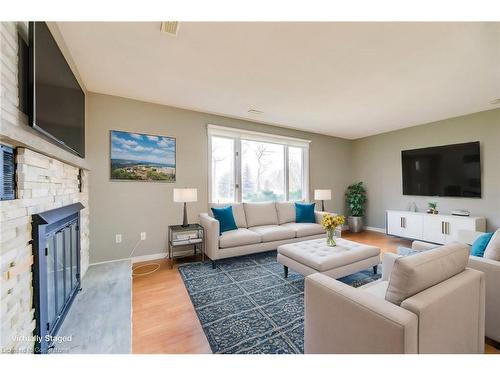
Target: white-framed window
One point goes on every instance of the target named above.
(247, 166)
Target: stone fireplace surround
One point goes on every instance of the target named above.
(47, 177)
(43, 183)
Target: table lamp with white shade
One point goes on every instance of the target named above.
(322, 195)
(185, 195)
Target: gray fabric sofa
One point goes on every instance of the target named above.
(261, 227)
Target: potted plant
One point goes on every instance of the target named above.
(356, 200)
(433, 208)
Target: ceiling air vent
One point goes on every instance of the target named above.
(170, 27)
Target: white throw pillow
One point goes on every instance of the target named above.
(492, 251)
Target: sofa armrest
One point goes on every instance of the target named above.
(423, 246)
(319, 215)
(491, 270)
(387, 264)
(342, 319)
(211, 228)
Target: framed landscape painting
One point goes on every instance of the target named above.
(142, 157)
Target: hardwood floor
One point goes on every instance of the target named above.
(164, 320)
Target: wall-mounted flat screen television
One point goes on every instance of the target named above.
(57, 100)
(444, 171)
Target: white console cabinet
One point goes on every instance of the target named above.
(438, 229)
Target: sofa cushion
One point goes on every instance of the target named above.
(225, 217)
(304, 212)
(376, 288)
(304, 229)
(411, 275)
(238, 212)
(260, 214)
(238, 237)
(270, 233)
(493, 249)
(286, 212)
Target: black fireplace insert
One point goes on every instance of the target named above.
(56, 270)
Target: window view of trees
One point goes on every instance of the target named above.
(295, 174)
(263, 177)
(223, 184)
(261, 171)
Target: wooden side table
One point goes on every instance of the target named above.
(182, 236)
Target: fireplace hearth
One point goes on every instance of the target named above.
(56, 270)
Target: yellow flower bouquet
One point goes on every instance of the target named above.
(330, 223)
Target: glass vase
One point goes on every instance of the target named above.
(330, 238)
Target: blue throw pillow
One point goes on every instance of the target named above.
(304, 212)
(225, 217)
(480, 244)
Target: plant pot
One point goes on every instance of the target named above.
(355, 223)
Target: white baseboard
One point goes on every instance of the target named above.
(108, 261)
(145, 258)
(137, 259)
(375, 229)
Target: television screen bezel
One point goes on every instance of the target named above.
(32, 95)
(438, 147)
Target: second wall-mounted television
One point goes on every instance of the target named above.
(443, 171)
(56, 99)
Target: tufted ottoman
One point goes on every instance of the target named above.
(313, 256)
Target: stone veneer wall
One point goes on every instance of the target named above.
(43, 183)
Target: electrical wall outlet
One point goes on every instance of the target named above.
(118, 238)
(143, 236)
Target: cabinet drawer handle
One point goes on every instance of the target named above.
(442, 227)
(448, 228)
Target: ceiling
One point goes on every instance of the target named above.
(343, 79)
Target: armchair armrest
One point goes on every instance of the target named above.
(211, 227)
(342, 319)
(456, 306)
(319, 215)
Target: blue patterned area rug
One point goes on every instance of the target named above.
(246, 306)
